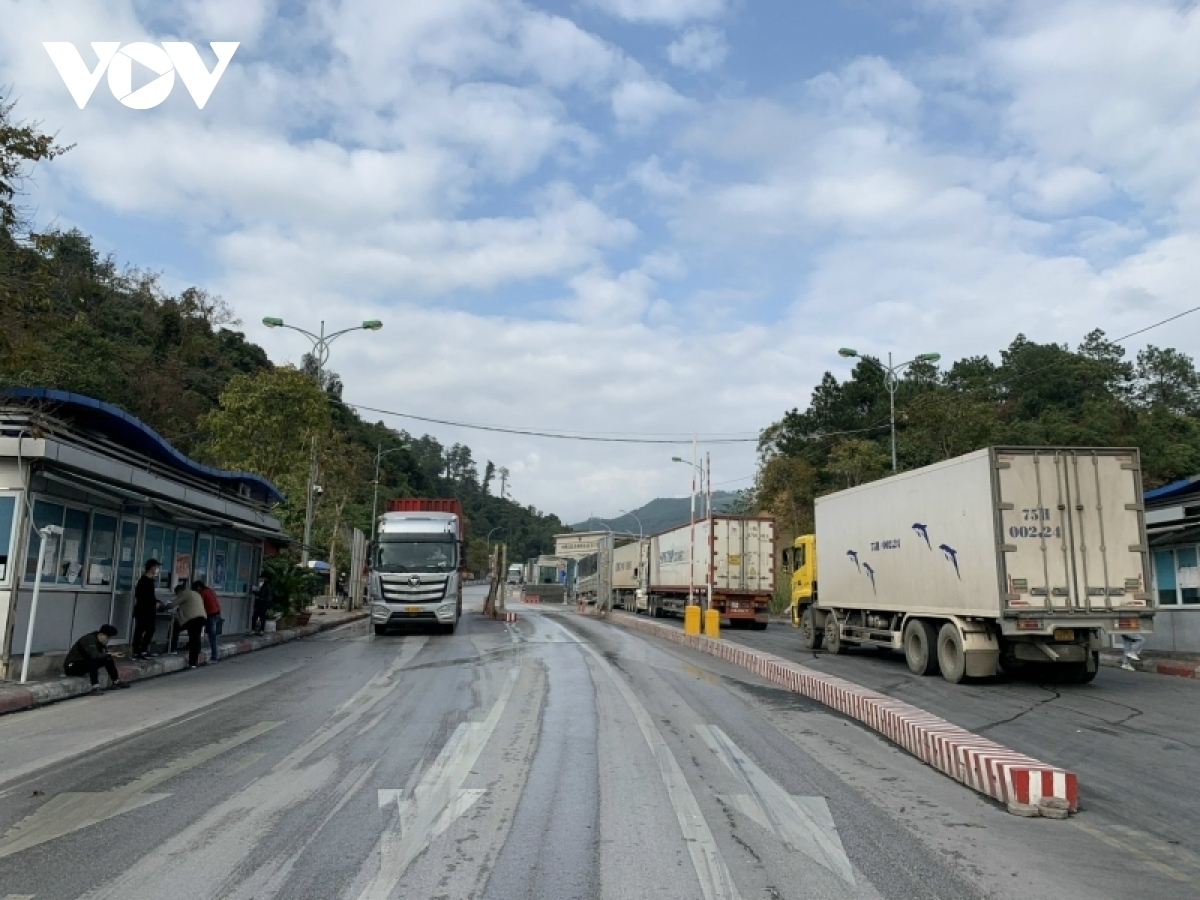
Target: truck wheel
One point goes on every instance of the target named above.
(1077, 673)
(810, 636)
(380, 630)
(449, 629)
(920, 639)
(759, 626)
(833, 635)
(952, 658)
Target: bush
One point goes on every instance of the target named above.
(292, 588)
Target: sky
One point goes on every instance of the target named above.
(639, 218)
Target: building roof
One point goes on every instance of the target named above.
(1175, 490)
(129, 431)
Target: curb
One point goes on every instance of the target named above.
(41, 693)
(981, 764)
(1181, 668)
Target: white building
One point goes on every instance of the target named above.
(121, 495)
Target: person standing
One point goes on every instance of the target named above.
(262, 603)
(145, 611)
(189, 613)
(212, 612)
(90, 654)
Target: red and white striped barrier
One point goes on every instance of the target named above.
(530, 598)
(977, 762)
(506, 617)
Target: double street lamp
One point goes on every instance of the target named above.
(320, 342)
(891, 381)
(698, 471)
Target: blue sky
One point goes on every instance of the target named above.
(642, 215)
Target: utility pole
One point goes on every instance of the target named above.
(712, 536)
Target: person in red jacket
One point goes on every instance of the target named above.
(212, 610)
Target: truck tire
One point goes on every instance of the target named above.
(920, 647)
(380, 630)
(951, 656)
(1077, 673)
(449, 629)
(759, 626)
(833, 636)
(811, 637)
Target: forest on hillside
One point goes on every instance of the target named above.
(74, 319)
(1038, 394)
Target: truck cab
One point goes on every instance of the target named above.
(416, 576)
(800, 560)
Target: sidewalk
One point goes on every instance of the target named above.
(15, 696)
(1181, 666)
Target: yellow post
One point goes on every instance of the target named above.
(712, 623)
(691, 619)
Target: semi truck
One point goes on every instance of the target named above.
(515, 573)
(1006, 557)
(416, 572)
(736, 552)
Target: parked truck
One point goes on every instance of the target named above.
(737, 552)
(1008, 556)
(416, 575)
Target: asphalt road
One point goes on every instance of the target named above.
(556, 758)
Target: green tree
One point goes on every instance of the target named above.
(266, 423)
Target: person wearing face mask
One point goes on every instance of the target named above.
(145, 611)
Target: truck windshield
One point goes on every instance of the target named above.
(414, 556)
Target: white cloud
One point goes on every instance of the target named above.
(637, 104)
(701, 48)
(681, 265)
(668, 12)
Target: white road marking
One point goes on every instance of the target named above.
(716, 882)
(242, 764)
(803, 823)
(436, 801)
(72, 811)
(232, 829)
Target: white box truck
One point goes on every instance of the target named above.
(736, 552)
(1007, 557)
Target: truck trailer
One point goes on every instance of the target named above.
(735, 554)
(416, 575)
(1005, 557)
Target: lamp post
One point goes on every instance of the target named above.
(636, 519)
(891, 381)
(44, 533)
(692, 530)
(320, 344)
(380, 453)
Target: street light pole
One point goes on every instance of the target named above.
(636, 519)
(320, 344)
(890, 382)
(692, 540)
(380, 453)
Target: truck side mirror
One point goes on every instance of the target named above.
(786, 560)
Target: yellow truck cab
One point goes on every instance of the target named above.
(800, 560)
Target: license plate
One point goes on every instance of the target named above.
(413, 609)
(1064, 634)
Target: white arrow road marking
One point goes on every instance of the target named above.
(19, 896)
(716, 882)
(803, 823)
(437, 800)
(72, 811)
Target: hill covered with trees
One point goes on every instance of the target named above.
(73, 319)
(1038, 394)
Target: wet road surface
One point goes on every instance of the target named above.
(558, 757)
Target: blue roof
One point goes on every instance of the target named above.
(1174, 489)
(131, 432)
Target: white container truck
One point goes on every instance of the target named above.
(1006, 556)
(736, 552)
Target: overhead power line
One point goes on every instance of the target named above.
(585, 436)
